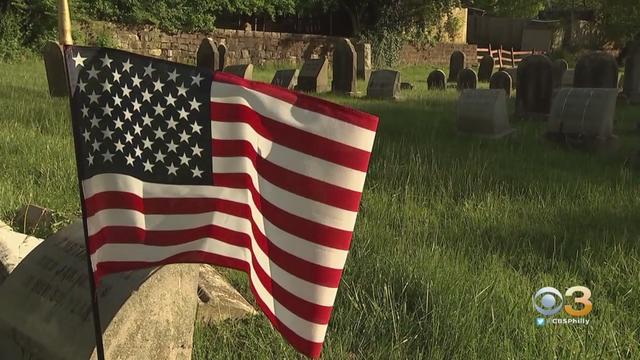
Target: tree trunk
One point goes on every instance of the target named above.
(354, 16)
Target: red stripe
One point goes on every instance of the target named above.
(291, 137)
(285, 179)
(351, 116)
(292, 264)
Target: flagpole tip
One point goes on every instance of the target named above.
(64, 23)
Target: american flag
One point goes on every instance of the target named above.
(179, 164)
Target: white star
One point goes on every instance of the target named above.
(82, 85)
(130, 159)
(183, 114)
(106, 87)
(173, 75)
(158, 85)
(172, 169)
(159, 133)
(137, 129)
(116, 76)
(96, 145)
(182, 90)
(136, 80)
(146, 120)
(196, 79)
(127, 114)
(85, 111)
(93, 98)
(106, 110)
(160, 156)
(146, 96)
(148, 166)
(171, 124)
(149, 70)
(196, 150)
(195, 128)
(87, 135)
(129, 138)
(118, 123)
(138, 151)
(171, 100)
(90, 159)
(93, 73)
(106, 62)
(95, 122)
(158, 109)
(107, 133)
(79, 60)
(126, 66)
(126, 91)
(147, 143)
(194, 104)
(172, 146)
(184, 159)
(136, 105)
(119, 146)
(184, 137)
(108, 156)
(197, 172)
(117, 100)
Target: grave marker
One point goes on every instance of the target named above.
(363, 65)
(437, 80)
(467, 79)
(384, 84)
(456, 64)
(560, 67)
(501, 80)
(53, 57)
(222, 56)
(486, 68)
(535, 85)
(207, 55)
(286, 78)
(596, 70)
(245, 71)
(631, 84)
(344, 68)
(483, 112)
(313, 76)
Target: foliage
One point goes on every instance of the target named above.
(511, 8)
(10, 35)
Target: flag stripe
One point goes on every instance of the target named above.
(292, 137)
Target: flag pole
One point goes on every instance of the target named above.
(65, 39)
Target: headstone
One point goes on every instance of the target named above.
(53, 57)
(467, 79)
(437, 80)
(45, 307)
(207, 55)
(31, 217)
(222, 56)
(567, 78)
(456, 64)
(486, 68)
(501, 80)
(406, 86)
(344, 68)
(313, 76)
(513, 72)
(245, 71)
(218, 300)
(631, 84)
(363, 65)
(535, 85)
(585, 114)
(384, 84)
(483, 112)
(596, 70)
(286, 78)
(560, 67)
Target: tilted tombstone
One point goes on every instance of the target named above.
(53, 57)
(631, 84)
(313, 76)
(583, 114)
(560, 67)
(483, 112)
(501, 80)
(456, 64)
(535, 85)
(437, 80)
(46, 313)
(244, 71)
(467, 79)
(384, 84)
(222, 56)
(344, 68)
(486, 68)
(596, 70)
(363, 65)
(286, 78)
(207, 55)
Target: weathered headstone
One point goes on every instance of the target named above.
(501, 80)
(567, 78)
(513, 72)
(560, 67)
(596, 70)
(245, 71)
(384, 84)
(286, 78)
(313, 76)
(456, 64)
(583, 114)
(222, 56)
(363, 65)
(45, 307)
(406, 86)
(344, 68)
(535, 85)
(631, 84)
(486, 68)
(437, 80)
(467, 79)
(53, 57)
(483, 112)
(218, 300)
(207, 55)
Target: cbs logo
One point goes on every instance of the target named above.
(548, 301)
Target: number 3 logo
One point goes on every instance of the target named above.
(584, 300)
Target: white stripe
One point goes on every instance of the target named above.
(286, 113)
(136, 252)
(296, 204)
(318, 294)
(290, 159)
(307, 250)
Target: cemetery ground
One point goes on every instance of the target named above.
(454, 235)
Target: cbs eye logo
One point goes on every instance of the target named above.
(548, 301)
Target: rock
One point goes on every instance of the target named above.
(218, 300)
(31, 217)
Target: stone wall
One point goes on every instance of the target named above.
(256, 47)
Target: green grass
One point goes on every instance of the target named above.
(454, 234)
